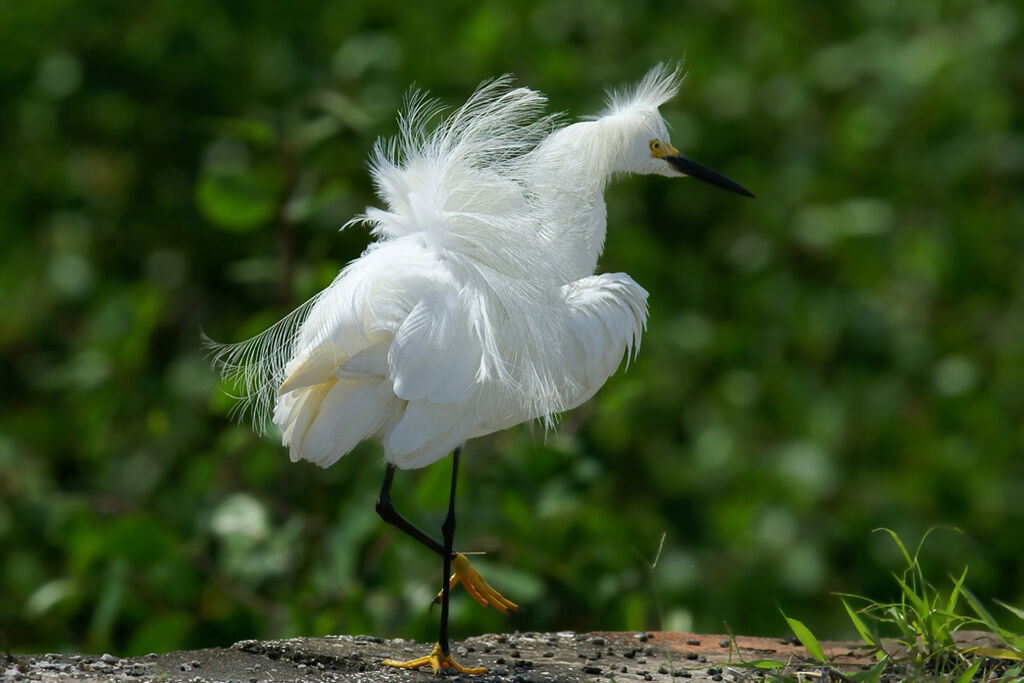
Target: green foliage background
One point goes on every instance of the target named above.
(844, 353)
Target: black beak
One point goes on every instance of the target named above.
(688, 166)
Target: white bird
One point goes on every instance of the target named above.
(476, 307)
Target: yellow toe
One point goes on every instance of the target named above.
(481, 591)
(436, 660)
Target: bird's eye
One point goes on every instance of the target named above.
(655, 145)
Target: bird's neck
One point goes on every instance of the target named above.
(573, 168)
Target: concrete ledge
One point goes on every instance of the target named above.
(563, 657)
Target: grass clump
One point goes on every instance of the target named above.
(934, 635)
(925, 633)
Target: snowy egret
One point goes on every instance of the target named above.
(477, 306)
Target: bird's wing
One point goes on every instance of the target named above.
(607, 315)
(388, 348)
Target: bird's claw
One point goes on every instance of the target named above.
(481, 591)
(436, 660)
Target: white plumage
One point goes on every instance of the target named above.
(476, 308)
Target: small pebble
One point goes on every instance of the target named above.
(186, 666)
(691, 655)
(641, 660)
(717, 677)
(723, 643)
(499, 660)
(196, 664)
(591, 669)
(515, 654)
(648, 650)
(623, 669)
(598, 641)
(702, 659)
(630, 653)
(548, 654)
(648, 677)
(662, 669)
(500, 671)
(462, 651)
(594, 655)
(108, 658)
(692, 641)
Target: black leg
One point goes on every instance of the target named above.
(388, 513)
(448, 530)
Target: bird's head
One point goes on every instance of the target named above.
(669, 162)
(633, 118)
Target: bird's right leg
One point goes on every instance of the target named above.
(463, 572)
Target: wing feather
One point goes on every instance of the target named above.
(351, 411)
(607, 316)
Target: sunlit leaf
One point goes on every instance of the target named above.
(806, 639)
(237, 200)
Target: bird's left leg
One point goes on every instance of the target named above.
(440, 658)
(463, 573)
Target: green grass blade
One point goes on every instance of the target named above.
(995, 653)
(899, 544)
(920, 606)
(1016, 611)
(955, 595)
(872, 675)
(979, 608)
(968, 676)
(763, 664)
(861, 627)
(1013, 640)
(806, 638)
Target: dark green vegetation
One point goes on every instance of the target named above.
(844, 353)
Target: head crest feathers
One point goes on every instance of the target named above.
(657, 87)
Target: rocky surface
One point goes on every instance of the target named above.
(517, 658)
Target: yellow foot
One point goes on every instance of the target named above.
(480, 590)
(436, 660)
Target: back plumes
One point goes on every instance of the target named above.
(469, 162)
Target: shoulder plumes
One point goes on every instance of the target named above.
(658, 86)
